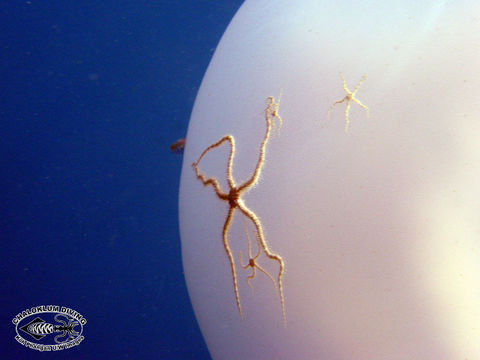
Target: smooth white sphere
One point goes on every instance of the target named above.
(379, 227)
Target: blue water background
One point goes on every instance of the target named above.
(92, 93)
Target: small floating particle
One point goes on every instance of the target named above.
(178, 146)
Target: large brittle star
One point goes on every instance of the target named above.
(349, 98)
(233, 197)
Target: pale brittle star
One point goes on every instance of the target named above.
(252, 261)
(349, 98)
(233, 197)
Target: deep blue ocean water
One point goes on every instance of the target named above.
(92, 93)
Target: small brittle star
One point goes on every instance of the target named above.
(252, 261)
(234, 200)
(349, 98)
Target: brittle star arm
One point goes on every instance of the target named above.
(347, 111)
(213, 181)
(263, 245)
(230, 257)
(364, 77)
(347, 117)
(335, 103)
(349, 93)
(272, 109)
(362, 105)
